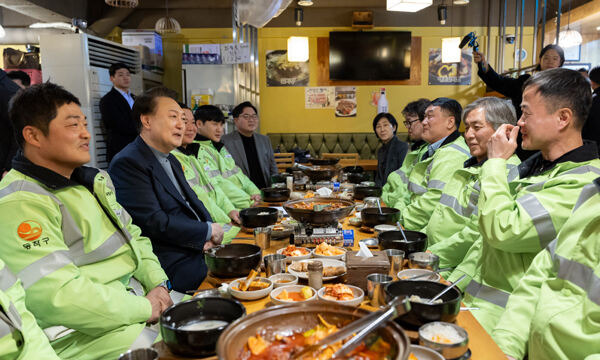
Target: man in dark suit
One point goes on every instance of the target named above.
(150, 184)
(251, 151)
(115, 108)
(8, 144)
(591, 128)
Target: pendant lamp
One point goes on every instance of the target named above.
(167, 24)
(122, 3)
(297, 49)
(407, 5)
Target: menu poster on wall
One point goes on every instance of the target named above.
(319, 97)
(449, 73)
(235, 53)
(345, 101)
(281, 72)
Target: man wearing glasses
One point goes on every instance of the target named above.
(396, 186)
(251, 151)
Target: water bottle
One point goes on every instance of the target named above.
(382, 103)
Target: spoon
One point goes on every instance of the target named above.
(379, 206)
(446, 290)
(361, 327)
(429, 274)
(402, 231)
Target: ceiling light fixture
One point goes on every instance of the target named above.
(407, 5)
(305, 2)
(297, 48)
(122, 3)
(460, 2)
(450, 50)
(442, 11)
(298, 16)
(167, 24)
(569, 37)
(2, 32)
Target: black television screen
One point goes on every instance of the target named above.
(369, 55)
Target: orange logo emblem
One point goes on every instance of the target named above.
(29, 230)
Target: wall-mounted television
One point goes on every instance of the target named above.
(369, 55)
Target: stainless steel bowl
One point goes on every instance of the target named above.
(423, 260)
(448, 351)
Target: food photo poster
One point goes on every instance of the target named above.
(281, 72)
(345, 101)
(449, 73)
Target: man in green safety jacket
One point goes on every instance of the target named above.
(216, 161)
(90, 277)
(553, 313)
(454, 227)
(20, 336)
(216, 202)
(446, 153)
(396, 186)
(520, 218)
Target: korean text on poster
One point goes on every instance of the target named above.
(449, 73)
(319, 97)
(345, 101)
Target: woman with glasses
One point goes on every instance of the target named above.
(392, 152)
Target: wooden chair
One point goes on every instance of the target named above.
(284, 160)
(346, 159)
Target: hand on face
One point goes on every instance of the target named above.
(503, 143)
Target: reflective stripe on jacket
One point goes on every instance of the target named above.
(454, 227)
(395, 190)
(217, 204)
(210, 161)
(517, 220)
(75, 252)
(554, 312)
(427, 180)
(20, 336)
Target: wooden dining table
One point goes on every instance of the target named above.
(480, 342)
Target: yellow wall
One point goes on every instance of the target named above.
(282, 108)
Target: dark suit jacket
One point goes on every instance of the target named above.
(591, 129)
(264, 149)
(8, 143)
(145, 190)
(389, 158)
(117, 119)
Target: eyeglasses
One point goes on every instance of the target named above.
(249, 116)
(408, 124)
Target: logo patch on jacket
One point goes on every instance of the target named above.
(29, 230)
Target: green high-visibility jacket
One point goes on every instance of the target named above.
(396, 186)
(454, 226)
(518, 219)
(427, 180)
(78, 254)
(220, 176)
(217, 204)
(554, 313)
(233, 173)
(20, 336)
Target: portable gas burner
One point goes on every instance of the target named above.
(308, 235)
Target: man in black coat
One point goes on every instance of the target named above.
(591, 129)
(8, 144)
(115, 108)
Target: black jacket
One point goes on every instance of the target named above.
(117, 119)
(511, 88)
(591, 129)
(389, 158)
(8, 143)
(145, 190)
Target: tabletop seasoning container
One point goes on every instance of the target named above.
(360, 267)
(315, 274)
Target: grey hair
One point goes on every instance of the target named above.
(497, 111)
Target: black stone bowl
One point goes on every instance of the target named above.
(416, 241)
(353, 169)
(251, 219)
(357, 178)
(197, 343)
(275, 194)
(280, 178)
(233, 260)
(420, 313)
(361, 192)
(317, 161)
(371, 216)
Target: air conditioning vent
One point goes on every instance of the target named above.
(103, 54)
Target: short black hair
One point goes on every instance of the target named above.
(389, 117)
(240, 108)
(563, 88)
(20, 75)
(558, 49)
(209, 113)
(146, 103)
(594, 74)
(117, 66)
(450, 106)
(183, 106)
(416, 107)
(37, 106)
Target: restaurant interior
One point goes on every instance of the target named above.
(331, 253)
